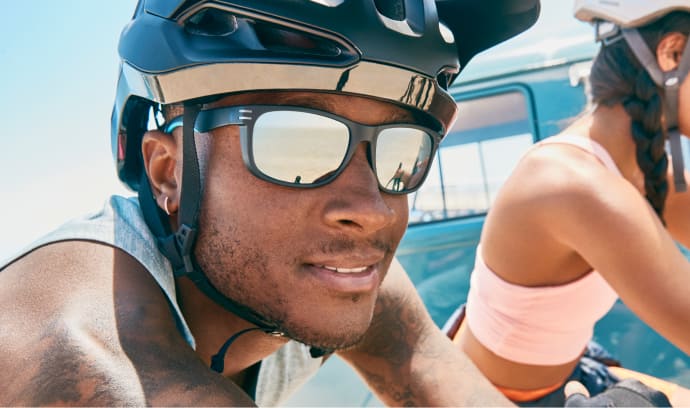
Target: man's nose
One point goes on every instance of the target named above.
(357, 202)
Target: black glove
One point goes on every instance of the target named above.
(626, 393)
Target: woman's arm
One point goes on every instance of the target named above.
(677, 213)
(610, 225)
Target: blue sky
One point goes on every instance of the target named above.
(59, 69)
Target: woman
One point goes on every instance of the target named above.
(587, 217)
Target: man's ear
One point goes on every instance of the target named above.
(160, 154)
(669, 50)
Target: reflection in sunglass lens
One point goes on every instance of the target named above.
(402, 157)
(298, 147)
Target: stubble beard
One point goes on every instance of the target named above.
(241, 274)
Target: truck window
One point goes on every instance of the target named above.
(490, 135)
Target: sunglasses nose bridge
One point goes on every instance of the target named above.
(364, 134)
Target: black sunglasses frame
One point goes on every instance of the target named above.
(246, 116)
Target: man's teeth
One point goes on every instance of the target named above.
(345, 270)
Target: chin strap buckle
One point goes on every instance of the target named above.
(184, 237)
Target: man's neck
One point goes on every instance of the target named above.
(247, 379)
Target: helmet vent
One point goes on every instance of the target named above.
(285, 40)
(328, 3)
(211, 22)
(393, 9)
(445, 78)
(254, 36)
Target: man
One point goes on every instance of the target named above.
(263, 235)
(267, 228)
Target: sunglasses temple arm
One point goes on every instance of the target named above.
(215, 118)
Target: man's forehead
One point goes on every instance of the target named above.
(329, 102)
(307, 99)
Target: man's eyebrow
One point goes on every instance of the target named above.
(309, 101)
(392, 116)
(398, 116)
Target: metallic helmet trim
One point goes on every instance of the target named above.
(402, 86)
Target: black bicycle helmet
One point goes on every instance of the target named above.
(190, 51)
(403, 51)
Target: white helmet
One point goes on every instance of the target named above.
(624, 17)
(627, 13)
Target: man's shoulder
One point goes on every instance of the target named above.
(65, 308)
(79, 283)
(83, 262)
(85, 324)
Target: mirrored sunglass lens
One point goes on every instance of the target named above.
(298, 147)
(402, 158)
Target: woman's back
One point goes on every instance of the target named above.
(564, 212)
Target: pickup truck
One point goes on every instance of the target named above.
(509, 97)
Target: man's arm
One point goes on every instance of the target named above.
(407, 360)
(85, 324)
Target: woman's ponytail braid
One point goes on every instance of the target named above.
(644, 106)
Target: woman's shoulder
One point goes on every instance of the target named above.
(562, 169)
(555, 183)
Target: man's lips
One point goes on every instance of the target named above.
(344, 270)
(346, 279)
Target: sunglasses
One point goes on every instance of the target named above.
(303, 147)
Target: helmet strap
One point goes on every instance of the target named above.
(188, 220)
(670, 82)
(218, 359)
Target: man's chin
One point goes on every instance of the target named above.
(329, 341)
(328, 325)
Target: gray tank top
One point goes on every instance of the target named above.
(121, 225)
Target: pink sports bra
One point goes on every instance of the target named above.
(539, 325)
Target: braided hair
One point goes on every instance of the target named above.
(618, 77)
